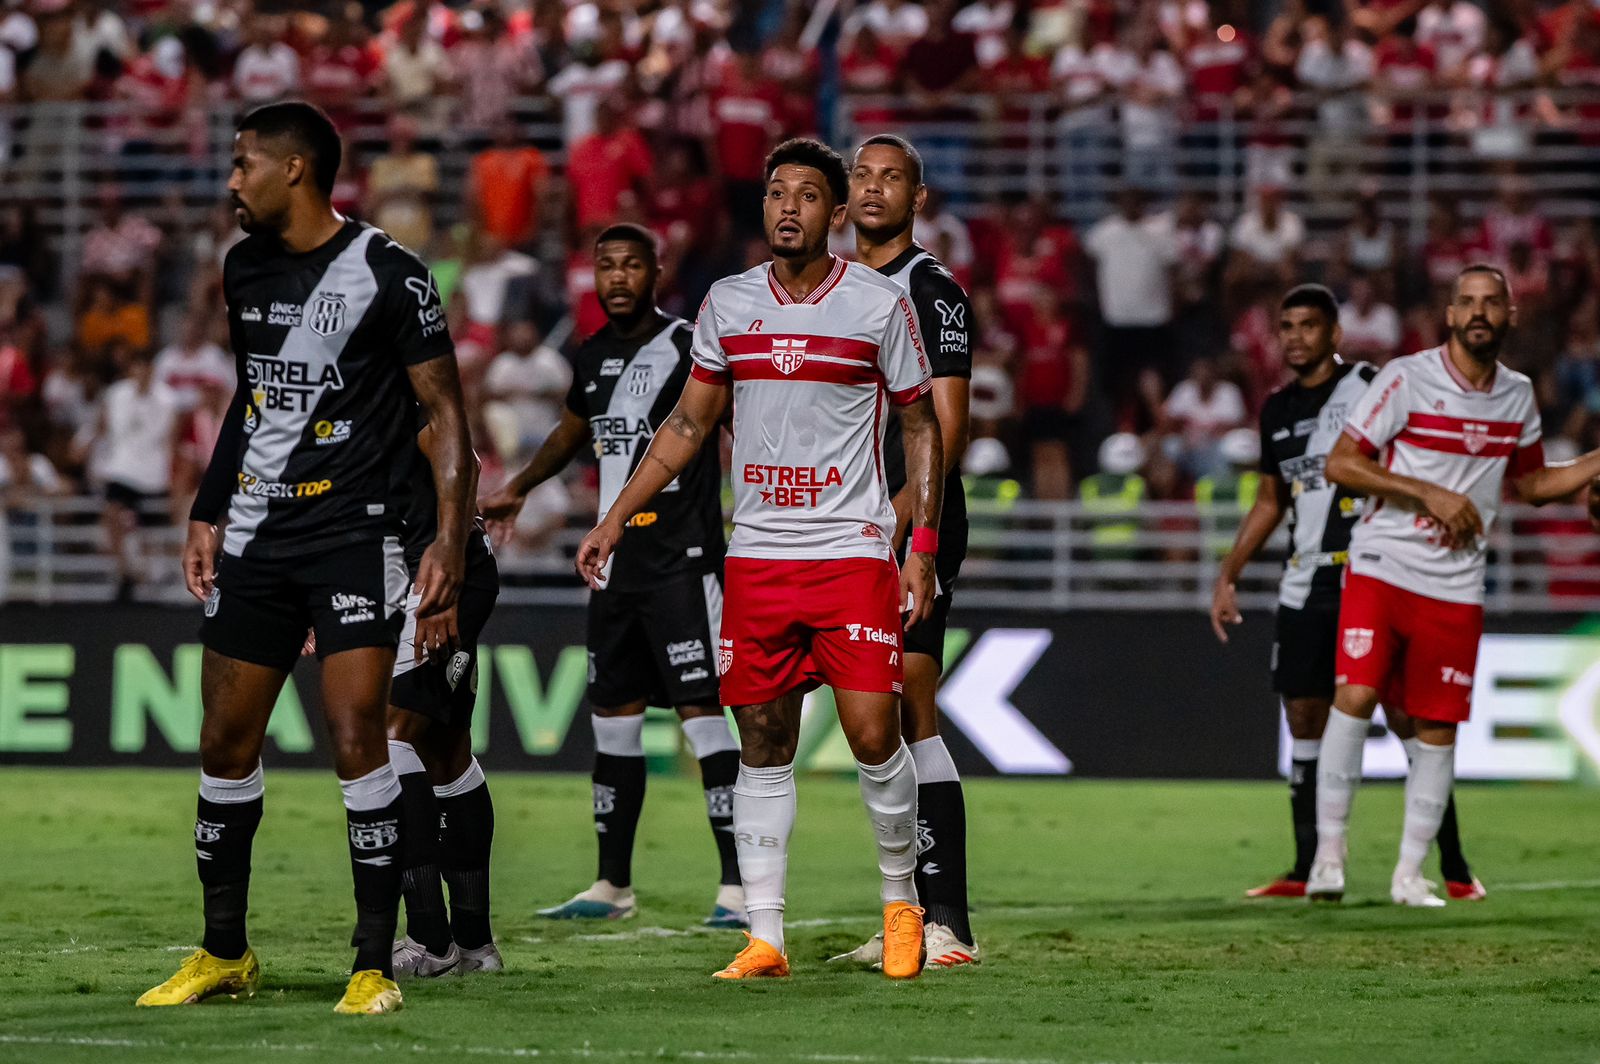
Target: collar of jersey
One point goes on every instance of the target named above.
(783, 297)
(1462, 382)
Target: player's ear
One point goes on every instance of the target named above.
(837, 218)
(294, 168)
(918, 199)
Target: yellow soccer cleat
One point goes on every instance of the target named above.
(370, 993)
(903, 949)
(201, 976)
(758, 960)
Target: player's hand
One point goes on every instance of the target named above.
(200, 559)
(917, 587)
(439, 576)
(500, 510)
(1224, 609)
(1458, 519)
(436, 635)
(310, 646)
(595, 551)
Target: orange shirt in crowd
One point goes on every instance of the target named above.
(505, 185)
(100, 326)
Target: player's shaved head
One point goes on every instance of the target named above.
(628, 233)
(1480, 269)
(296, 127)
(1313, 296)
(903, 146)
(886, 190)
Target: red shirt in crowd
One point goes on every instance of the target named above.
(1029, 265)
(1044, 373)
(1404, 68)
(601, 168)
(1216, 68)
(747, 112)
(588, 316)
(337, 77)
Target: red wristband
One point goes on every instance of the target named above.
(924, 541)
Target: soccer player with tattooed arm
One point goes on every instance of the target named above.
(811, 350)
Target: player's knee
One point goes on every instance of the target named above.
(356, 745)
(766, 747)
(875, 743)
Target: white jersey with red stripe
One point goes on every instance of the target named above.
(811, 383)
(1421, 418)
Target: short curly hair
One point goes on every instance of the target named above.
(804, 151)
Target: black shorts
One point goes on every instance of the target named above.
(353, 596)
(149, 508)
(927, 637)
(657, 645)
(1303, 653)
(444, 690)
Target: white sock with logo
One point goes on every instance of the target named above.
(1338, 776)
(763, 819)
(1428, 784)
(890, 793)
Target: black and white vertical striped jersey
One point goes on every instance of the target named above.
(1299, 426)
(625, 388)
(943, 315)
(324, 427)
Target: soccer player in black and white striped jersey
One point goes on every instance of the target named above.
(1300, 423)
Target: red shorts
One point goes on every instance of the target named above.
(1418, 652)
(794, 625)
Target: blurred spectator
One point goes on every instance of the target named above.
(122, 247)
(525, 387)
(940, 64)
(1369, 243)
(609, 164)
(494, 284)
(134, 449)
(1151, 83)
(987, 22)
(1082, 82)
(868, 65)
(58, 70)
(342, 68)
(746, 109)
(1448, 249)
(1454, 31)
(1052, 385)
(897, 23)
(507, 186)
(97, 28)
(1265, 241)
(1513, 219)
(401, 185)
(416, 70)
(25, 474)
(946, 236)
(111, 317)
(1200, 244)
(586, 87)
(266, 69)
(18, 381)
(1371, 327)
(1405, 70)
(193, 362)
(493, 68)
(1200, 410)
(1135, 257)
(1334, 65)
(1036, 254)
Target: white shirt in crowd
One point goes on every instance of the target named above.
(531, 388)
(896, 24)
(140, 429)
(186, 372)
(579, 87)
(1133, 267)
(265, 73)
(1149, 90)
(1269, 247)
(484, 285)
(1373, 334)
(1336, 74)
(987, 23)
(1205, 418)
(1454, 29)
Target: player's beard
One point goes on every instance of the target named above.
(1488, 350)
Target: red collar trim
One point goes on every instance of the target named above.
(1462, 382)
(783, 297)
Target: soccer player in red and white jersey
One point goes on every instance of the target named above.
(1431, 442)
(811, 350)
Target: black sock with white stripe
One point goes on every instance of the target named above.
(618, 780)
(373, 810)
(718, 753)
(426, 919)
(226, 818)
(466, 816)
(941, 875)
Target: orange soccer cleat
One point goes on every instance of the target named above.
(1282, 887)
(903, 947)
(758, 960)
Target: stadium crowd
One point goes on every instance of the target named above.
(1154, 315)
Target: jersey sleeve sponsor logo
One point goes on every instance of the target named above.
(792, 485)
(788, 354)
(952, 326)
(327, 314)
(916, 339)
(430, 314)
(1383, 401)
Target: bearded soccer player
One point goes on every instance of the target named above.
(339, 336)
(1299, 424)
(811, 350)
(653, 626)
(1432, 442)
(886, 194)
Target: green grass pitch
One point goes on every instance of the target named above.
(1111, 913)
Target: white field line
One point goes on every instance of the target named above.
(514, 1052)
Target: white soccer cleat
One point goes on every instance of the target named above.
(483, 959)
(1326, 882)
(945, 950)
(1416, 892)
(868, 955)
(412, 958)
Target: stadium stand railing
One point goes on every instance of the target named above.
(1030, 555)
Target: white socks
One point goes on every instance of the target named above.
(1428, 784)
(1305, 749)
(763, 820)
(708, 735)
(890, 793)
(378, 789)
(226, 792)
(1338, 775)
(933, 761)
(619, 736)
(403, 756)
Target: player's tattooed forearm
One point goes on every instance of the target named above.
(683, 425)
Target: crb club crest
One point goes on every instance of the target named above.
(326, 315)
(638, 381)
(724, 656)
(1474, 434)
(1358, 642)
(788, 355)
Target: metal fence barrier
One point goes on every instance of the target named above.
(1030, 555)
